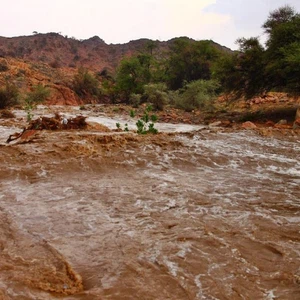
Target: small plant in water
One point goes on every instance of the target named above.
(118, 125)
(146, 123)
(132, 113)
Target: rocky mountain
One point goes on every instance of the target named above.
(62, 51)
(52, 60)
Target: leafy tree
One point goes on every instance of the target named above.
(255, 70)
(128, 79)
(188, 61)
(225, 70)
(132, 74)
(250, 67)
(283, 47)
(278, 17)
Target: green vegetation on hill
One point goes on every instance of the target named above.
(184, 73)
(195, 71)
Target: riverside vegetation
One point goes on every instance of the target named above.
(189, 75)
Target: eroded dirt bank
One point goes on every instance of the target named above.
(199, 215)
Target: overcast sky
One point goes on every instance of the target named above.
(119, 21)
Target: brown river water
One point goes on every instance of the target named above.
(190, 213)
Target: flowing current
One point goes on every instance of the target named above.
(196, 214)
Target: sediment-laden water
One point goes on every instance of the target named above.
(204, 214)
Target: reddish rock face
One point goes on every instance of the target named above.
(270, 124)
(296, 124)
(63, 96)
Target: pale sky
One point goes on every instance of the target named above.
(119, 21)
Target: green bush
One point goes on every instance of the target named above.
(85, 84)
(146, 123)
(135, 100)
(8, 95)
(37, 95)
(198, 94)
(156, 95)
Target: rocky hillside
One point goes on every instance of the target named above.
(52, 60)
(61, 51)
(25, 75)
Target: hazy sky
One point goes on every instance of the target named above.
(119, 21)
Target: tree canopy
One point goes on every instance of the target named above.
(256, 69)
(252, 70)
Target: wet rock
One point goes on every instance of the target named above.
(282, 122)
(270, 124)
(215, 124)
(296, 124)
(7, 114)
(248, 125)
(226, 123)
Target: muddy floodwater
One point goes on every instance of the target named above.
(190, 213)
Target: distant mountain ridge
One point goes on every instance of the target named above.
(61, 51)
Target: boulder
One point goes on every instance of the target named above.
(297, 114)
(248, 125)
(270, 124)
(296, 124)
(215, 124)
(282, 122)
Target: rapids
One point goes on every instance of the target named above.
(191, 213)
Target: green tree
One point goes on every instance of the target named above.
(226, 71)
(188, 61)
(283, 48)
(278, 17)
(255, 69)
(250, 68)
(132, 74)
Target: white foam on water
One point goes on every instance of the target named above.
(270, 295)
(172, 266)
(185, 248)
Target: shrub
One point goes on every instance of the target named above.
(38, 95)
(198, 94)
(85, 84)
(146, 123)
(156, 95)
(135, 100)
(8, 95)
